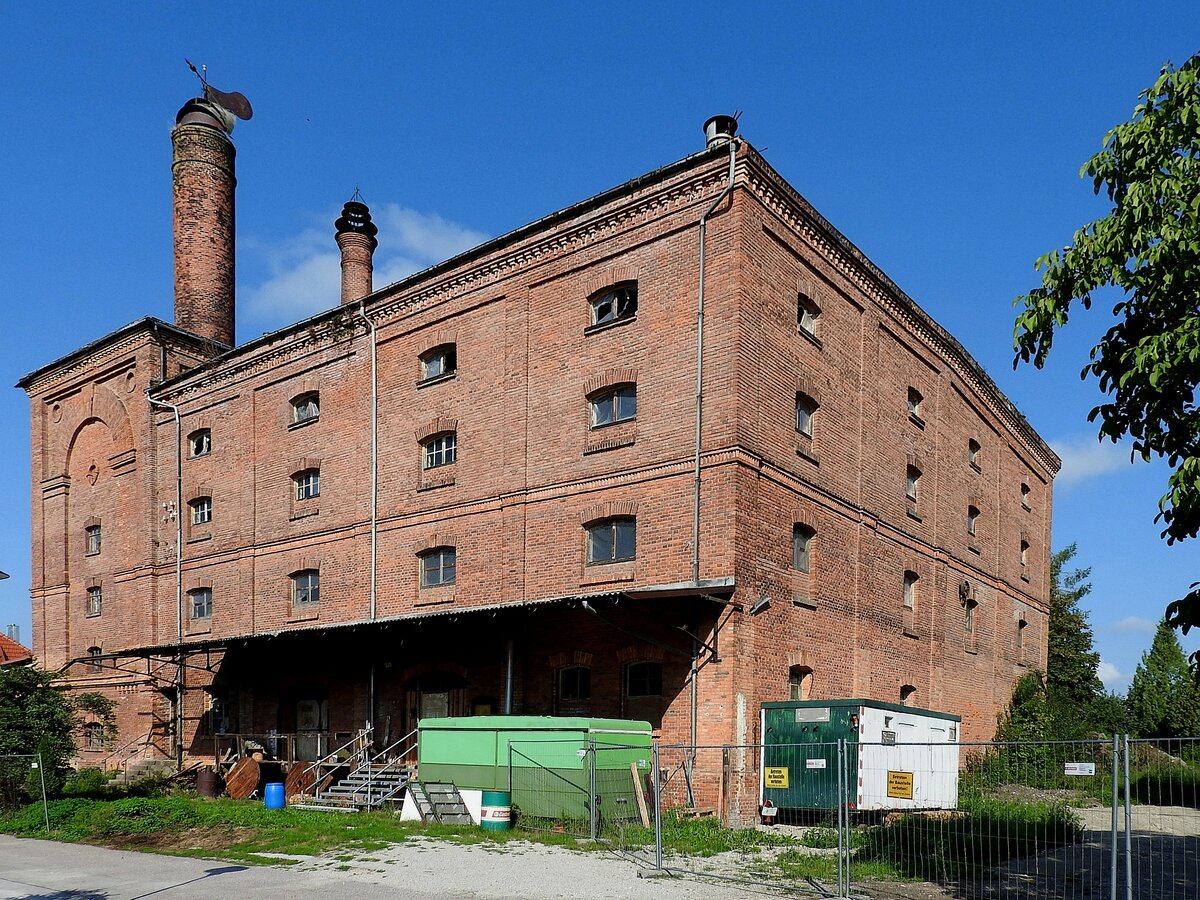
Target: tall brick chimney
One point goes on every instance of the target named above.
(202, 185)
(356, 239)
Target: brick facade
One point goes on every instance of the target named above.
(531, 474)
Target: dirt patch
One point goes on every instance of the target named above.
(212, 837)
(1059, 796)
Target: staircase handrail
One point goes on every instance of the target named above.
(331, 758)
(124, 747)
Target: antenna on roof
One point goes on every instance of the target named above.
(234, 102)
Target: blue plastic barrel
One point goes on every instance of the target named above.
(273, 796)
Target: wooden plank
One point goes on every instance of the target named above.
(641, 796)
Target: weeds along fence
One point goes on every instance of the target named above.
(596, 791)
(1067, 820)
(23, 777)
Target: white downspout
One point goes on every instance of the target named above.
(362, 314)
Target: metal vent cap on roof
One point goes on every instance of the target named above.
(719, 130)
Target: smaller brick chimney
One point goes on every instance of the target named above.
(356, 239)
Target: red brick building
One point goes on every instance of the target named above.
(502, 484)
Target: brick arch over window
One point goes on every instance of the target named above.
(636, 653)
(809, 388)
(436, 540)
(570, 658)
(610, 277)
(439, 338)
(610, 378)
(610, 509)
(440, 425)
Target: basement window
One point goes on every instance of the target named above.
(614, 304)
(643, 679)
(200, 443)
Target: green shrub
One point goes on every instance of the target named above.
(1167, 787)
(86, 783)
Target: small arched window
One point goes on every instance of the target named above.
(441, 360)
(912, 483)
(911, 579)
(95, 600)
(973, 449)
(972, 519)
(908, 695)
(806, 411)
(200, 510)
(306, 407)
(616, 404)
(915, 399)
(200, 442)
(800, 683)
(1025, 496)
(439, 566)
(307, 484)
(306, 587)
(92, 535)
(807, 314)
(614, 303)
(612, 540)
(439, 450)
(643, 679)
(1024, 553)
(201, 603)
(803, 538)
(574, 684)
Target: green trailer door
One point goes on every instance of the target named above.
(800, 754)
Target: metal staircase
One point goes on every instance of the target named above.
(440, 802)
(352, 778)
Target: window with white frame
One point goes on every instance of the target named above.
(306, 587)
(306, 407)
(441, 360)
(643, 679)
(618, 404)
(201, 603)
(439, 450)
(612, 540)
(200, 442)
(200, 510)
(439, 566)
(307, 484)
(614, 303)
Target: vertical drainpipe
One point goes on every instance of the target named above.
(362, 314)
(719, 129)
(178, 574)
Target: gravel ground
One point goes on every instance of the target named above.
(515, 869)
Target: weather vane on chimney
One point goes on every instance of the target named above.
(234, 102)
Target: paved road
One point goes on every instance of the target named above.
(414, 870)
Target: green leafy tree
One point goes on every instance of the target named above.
(1148, 248)
(1071, 680)
(1163, 699)
(38, 717)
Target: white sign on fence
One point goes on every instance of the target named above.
(1078, 768)
(814, 764)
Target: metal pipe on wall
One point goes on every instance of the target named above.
(362, 314)
(508, 679)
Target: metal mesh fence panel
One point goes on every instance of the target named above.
(1161, 820)
(551, 786)
(1003, 820)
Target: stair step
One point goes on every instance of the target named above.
(325, 807)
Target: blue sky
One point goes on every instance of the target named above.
(943, 139)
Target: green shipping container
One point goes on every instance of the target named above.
(543, 760)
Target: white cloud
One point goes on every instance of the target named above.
(1108, 673)
(1086, 457)
(304, 270)
(1135, 625)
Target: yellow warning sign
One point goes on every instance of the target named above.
(776, 777)
(900, 785)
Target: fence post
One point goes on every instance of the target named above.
(1116, 760)
(841, 818)
(1128, 821)
(45, 805)
(658, 848)
(593, 811)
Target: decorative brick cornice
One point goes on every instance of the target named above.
(783, 200)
